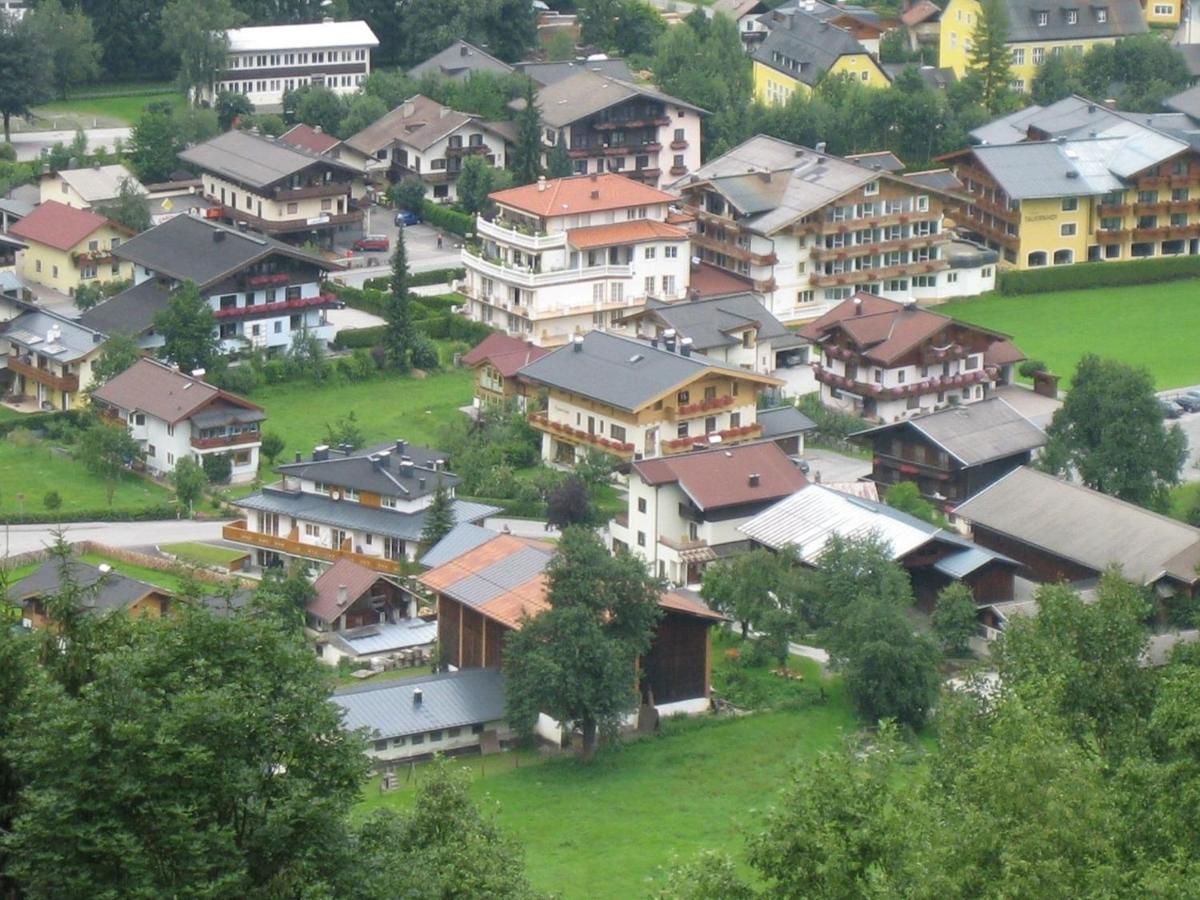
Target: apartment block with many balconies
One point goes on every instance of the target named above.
(808, 229)
(568, 255)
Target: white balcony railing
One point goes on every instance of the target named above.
(515, 238)
(527, 279)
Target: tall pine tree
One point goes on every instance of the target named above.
(527, 154)
(439, 516)
(558, 163)
(990, 59)
(397, 338)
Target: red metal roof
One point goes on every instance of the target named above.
(633, 232)
(718, 478)
(58, 225)
(709, 281)
(308, 138)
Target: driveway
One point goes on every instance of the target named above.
(24, 538)
(30, 144)
(828, 467)
(1190, 423)
(421, 242)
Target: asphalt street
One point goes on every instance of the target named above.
(24, 538)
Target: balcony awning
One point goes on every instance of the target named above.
(698, 555)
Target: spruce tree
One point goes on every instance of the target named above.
(527, 155)
(558, 164)
(990, 59)
(398, 332)
(439, 516)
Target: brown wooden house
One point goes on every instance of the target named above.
(102, 591)
(497, 361)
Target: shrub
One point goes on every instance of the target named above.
(358, 366)
(1031, 367)
(418, 279)
(237, 379)
(218, 467)
(52, 501)
(448, 219)
(1094, 275)
(146, 514)
(424, 352)
(276, 371)
(364, 338)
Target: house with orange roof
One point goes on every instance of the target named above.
(487, 591)
(568, 255)
(497, 361)
(68, 247)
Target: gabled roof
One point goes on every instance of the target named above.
(973, 434)
(1085, 526)
(882, 160)
(737, 476)
(458, 61)
(381, 470)
(547, 73)
(448, 700)
(418, 122)
(715, 322)
(920, 12)
(306, 137)
(1122, 19)
(255, 161)
(130, 312)
(166, 393)
(96, 184)
(112, 590)
(60, 226)
(458, 540)
(635, 231)
(809, 41)
(53, 336)
(578, 194)
(587, 93)
(1186, 101)
(314, 35)
(345, 573)
(507, 354)
(625, 373)
(783, 421)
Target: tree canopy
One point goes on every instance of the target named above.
(188, 329)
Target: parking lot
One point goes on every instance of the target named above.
(421, 242)
(1190, 423)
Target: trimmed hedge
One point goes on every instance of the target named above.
(1099, 274)
(361, 338)
(149, 513)
(38, 421)
(417, 279)
(447, 219)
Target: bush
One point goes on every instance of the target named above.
(1031, 367)
(147, 514)
(448, 219)
(8, 153)
(360, 338)
(44, 422)
(237, 379)
(832, 425)
(424, 352)
(418, 279)
(52, 501)
(276, 371)
(1095, 275)
(358, 366)
(218, 467)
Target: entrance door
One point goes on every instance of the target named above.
(650, 444)
(591, 424)
(339, 538)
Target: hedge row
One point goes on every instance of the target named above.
(417, 279)
(361, 338)
(1099, 274)
(39, 421)
(149, 513)
(448, 219)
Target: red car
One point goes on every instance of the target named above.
(375, 242)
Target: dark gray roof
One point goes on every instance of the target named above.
(716, 321)
(130, 312)
(938, 179)
(545, 73)
(586, 93)
(187, 248)
(975, 433)
(461, 538)
(619, 371)
(448, 700)
(458, 61)
(936, 79)
(883, 160)
(964, 254)
(1191, 57)
(1186, 102)
(783, 421)
(1124, 17)
(114, 591)
(71, 340)
(350, 515)
(252, 160)
(809, 46)
(378, 470)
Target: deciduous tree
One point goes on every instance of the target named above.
(119, 353)
(231, 106)
(128, 208)
(188, 329)
(954, 618)
(189, 479)
(154, 144)
(272, 446)
(67, 36)
(568, 503)
(25, 70)
(106, 449)
(195, 30)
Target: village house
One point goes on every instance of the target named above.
(497, 360)
(952, 454)
(412, 718)
(49, 358)
(365, 505)
(361, 615)
(315, 140)
(1076, 181)
(266, 61)
(423, 139)
(263, 293)
(636, 400)
(88, 187)
(276, 188)
(174, 416)
(612, 125)
(548, 72)
(566, 255)
(684, 511)
(484, 593)
(102, 591)
(922, 22)
(934, 557)
(806, 229)
(458, 62)
(66, 248)
(1038, 28)
(888, 361)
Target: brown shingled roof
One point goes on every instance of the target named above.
(719, 478)
(580, 194)
(507, 354)
(308, 138)
(163, 392)
(344, 573)
(60, 226)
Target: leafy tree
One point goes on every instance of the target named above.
(195, 30)
(272, 446)
(423, 352)
(851, 570)
(26, 68)
(105, 451)
(345, 431)
(568, 503)
(626, 26)
(398, 333)
(526, 163)
(18, 668)
(188, 329)
(1110, 431)
(906, 497)
(740, 587)
(894, 48)
(364, 109)
(130, 34)
(558, 161)
(409, 193)
(129, 207)
(990, 59)
(119, 353)
(52, 501)
(474, 184)
(1057, 77)
(154, 144)
(231, 106)
(189, 479)
(67, 36)
(1139, 71)
(954, 618)
(575, 661)
(315, 105)
(439, 516)
(218, 467)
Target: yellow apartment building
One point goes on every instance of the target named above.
(68, 247)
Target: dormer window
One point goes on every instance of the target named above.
(1043, 18)
(1072, 17)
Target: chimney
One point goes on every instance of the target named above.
(577, 343)
(406, 468)
(821, 145)
(401, 446)
(654, 342)
(417, 696)
(595, 195)
(858, 306)
(197, 373)
(594, 177)
(299, 458)
(541, 183)
(685, 346)
(753, 480)
(409, 109)
(97, 337)
(218, 235)
(420, 484)
(669, 340)
(320, 453)
(342, 595)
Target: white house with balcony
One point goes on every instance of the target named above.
(569, 255)
(175, 416)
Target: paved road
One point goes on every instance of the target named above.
(1190, 423)
(29, 144)
(831, 467)
(1189, 25)
(23, 538)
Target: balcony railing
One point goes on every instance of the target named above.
(909, 243)
(499, 231)
(1112, 235)
(227, 440)
(240, 534)
(308, 192)
(24, 365)
(282, 306)
(267, 280)
(530, 279)
(576, 435)
(920, 267)
(702, 441)
(745, 254)
(933, 385)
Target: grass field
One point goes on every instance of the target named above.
(102, 111)
(151, 576)
(1155, 326)
(348, 680)
(387, 408)
(615, 828)
(195, 553)
(27, 474)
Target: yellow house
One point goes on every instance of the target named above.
(1037, 29)
(50, 358)
(1163, 13)
(69, 247)
(801, 49)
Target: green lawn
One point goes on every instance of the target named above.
(1155, 326)
(347, 680)
(203, 554)
(104, 111)
(9, 415)
(27, 474)
(387, 408)
(152, 576)
(615, 828)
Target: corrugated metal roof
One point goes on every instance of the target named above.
(959, 565)
(386, 637)
(501, 577)
(461, 538)
(448, 700)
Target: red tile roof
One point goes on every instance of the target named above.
(634, 232)
(345, 572)
(580, 194)
(921, 11)
(714, 479)
(58, 225)
(507, 354)
(308, 138)
(709, 281)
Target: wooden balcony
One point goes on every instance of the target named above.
(1112, 236)
(1107, 211)
(288, 226)
(240, 534)
(909, 243)
(863, 276)
(933, 385)
(564, 432)
(642, 122)
(679, 145)
(23, 365)
(228, 440)
(735, 251)
(702, 442)
(330, 189)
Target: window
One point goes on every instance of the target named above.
(1018, 85)
(668, 284)
(1072, 17)
(683, 398)
(1102, 15)
(641, 504)
(311, 530)
(649, 284)
(1018, 56)
(710, 424)
(710, 393)
(1164, 9)
(435, 735)
(1039, 55)
(54, 271)
(418, 738)
(170, 430)
(1037, 258)
(1064, 257)
(671, 252)
(804, 297)
(617, 432)
(279, 326)
(682, 430)
(88, 271)
(649, 252)
(1043, 19)
(1070, 204)
(293, 208)
(150, 451)
(735, 420)
(871, 188)
(923, 203)
(1067, 229)
(641, 539)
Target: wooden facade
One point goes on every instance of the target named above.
(910, 456)
(1040, 564)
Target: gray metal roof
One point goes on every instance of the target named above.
(1123, 18)
(462, 537)
(975, 433)
(385, 637)
(618, 371)
(783, 421)
(1186, 102)
(96, 184)
(1090, 528)
(448, 700)
(458, 61)
(810, 42)
(378, 470)
(587, 93)
(716, 321)
(349, 515)
(69, 342)
(502, 576)
(938, 179)
(960, 565)
(254, 161)
(1052, 168)
(547, 73)
(130, 312)
(112, 589)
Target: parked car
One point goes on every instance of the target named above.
(407, 217)
(1189, 400)
(375, 242)
(1170, 409)
(800, 463)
